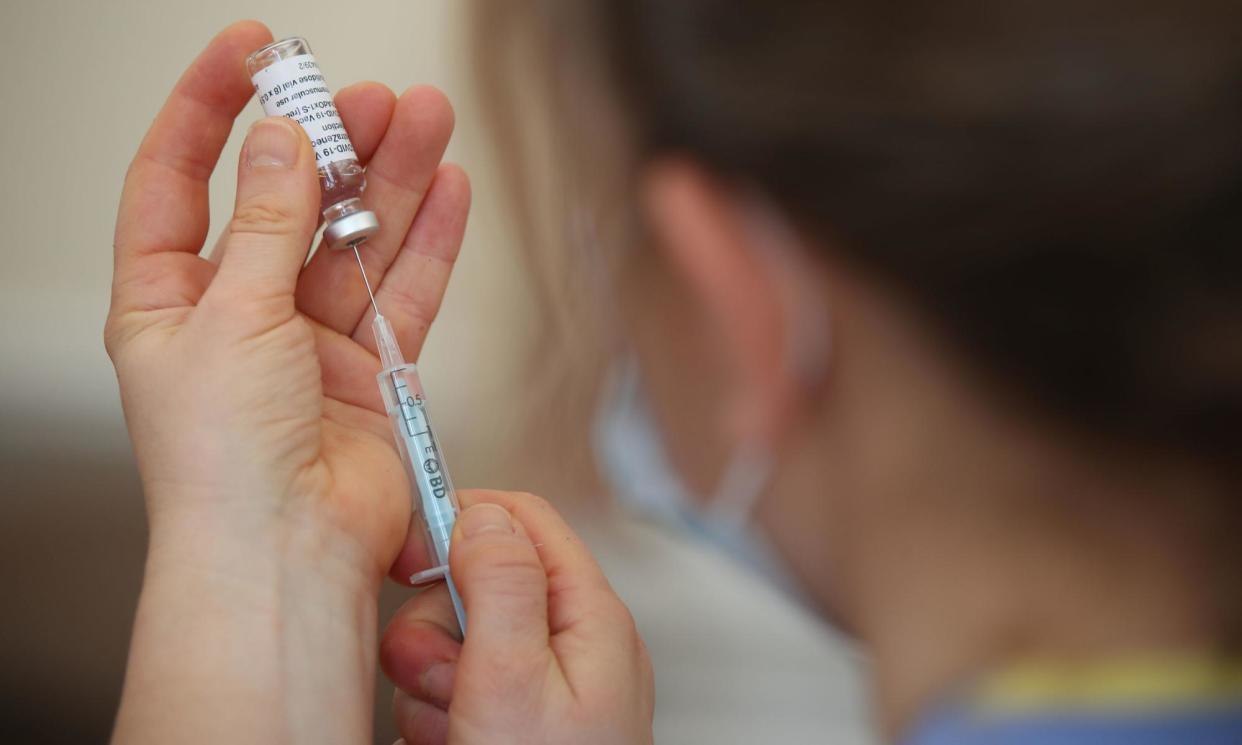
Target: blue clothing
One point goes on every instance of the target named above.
(964, 726)
(1151, 702)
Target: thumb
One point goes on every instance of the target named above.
(504, 588)
(275, 215)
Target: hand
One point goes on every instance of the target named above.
(551, 653)
(248, 385)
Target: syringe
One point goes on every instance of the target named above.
(432, 496)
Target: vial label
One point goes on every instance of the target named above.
(294, 88)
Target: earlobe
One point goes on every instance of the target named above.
(748, 277)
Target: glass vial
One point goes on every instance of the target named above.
(288, 83)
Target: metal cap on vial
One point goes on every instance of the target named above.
(350, 229)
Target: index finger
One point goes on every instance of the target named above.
(164, 205)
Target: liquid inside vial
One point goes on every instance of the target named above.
(288, 83)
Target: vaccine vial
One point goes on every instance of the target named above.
(288, 83)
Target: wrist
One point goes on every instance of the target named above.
(264, 617)
(259, 546)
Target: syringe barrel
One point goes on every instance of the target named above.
(431, 489)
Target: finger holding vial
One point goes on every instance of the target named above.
(399, 177)
(366, 109)
(412, 290)
(288, 83)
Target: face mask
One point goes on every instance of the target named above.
(634, 458)
(635, 462)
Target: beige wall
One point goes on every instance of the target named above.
(81, 80)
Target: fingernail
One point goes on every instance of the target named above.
(437, 682)
(485, 518)
(271, 144)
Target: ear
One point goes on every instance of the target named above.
(753, 290)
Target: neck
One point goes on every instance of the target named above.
(975, 594)
(962, 538)
(1019, 546)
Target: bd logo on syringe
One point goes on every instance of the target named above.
(432, 467)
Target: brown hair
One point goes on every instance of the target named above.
(1057, 184)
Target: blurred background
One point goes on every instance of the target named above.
(734, 662)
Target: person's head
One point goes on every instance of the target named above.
(972, 270)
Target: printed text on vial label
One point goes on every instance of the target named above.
(294, 88)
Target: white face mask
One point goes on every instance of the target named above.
(635, 462)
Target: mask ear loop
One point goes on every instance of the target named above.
(805, 358)
(780, 246)
(741, 487)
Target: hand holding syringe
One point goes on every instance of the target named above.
(432, 496)
(279, 514)
(288, 83)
